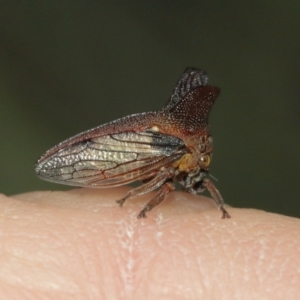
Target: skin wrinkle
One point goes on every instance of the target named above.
(126, 234)
(76, 246)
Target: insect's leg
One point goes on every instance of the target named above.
(145, 180)
(161, 195)
(216, 196)
(149, 186)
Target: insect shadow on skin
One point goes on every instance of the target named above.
(157, 148)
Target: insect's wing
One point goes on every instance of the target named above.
(112, 159)
(191, 79)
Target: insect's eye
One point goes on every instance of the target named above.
(205, 161)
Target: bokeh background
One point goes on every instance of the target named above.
(67, 66)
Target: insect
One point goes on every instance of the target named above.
(157, 148)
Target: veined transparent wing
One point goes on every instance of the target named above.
(111, 160)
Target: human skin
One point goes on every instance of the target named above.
(80, 244)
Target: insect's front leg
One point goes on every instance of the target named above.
(207, 184)
(157, 181)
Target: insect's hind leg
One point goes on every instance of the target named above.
(149, 186)
(161, 195)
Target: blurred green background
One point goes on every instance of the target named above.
(67, 66)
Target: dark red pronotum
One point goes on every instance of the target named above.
(157, 148)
